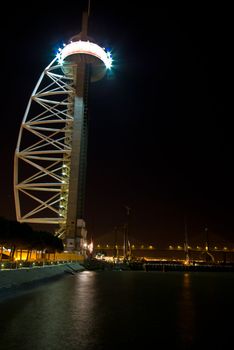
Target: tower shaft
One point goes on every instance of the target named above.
(76, 194)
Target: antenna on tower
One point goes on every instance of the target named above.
(85, 19)
(83, 35)
(84, 29)
(89, 7)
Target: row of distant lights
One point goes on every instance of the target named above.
(197, 247)
(108, 54)
(152, 247)
(116, 246)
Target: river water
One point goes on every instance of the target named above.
(130, 309)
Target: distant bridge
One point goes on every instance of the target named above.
(180, 252)
(144, 247)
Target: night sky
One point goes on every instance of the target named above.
(161, 135)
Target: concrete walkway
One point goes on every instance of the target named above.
(13, 278)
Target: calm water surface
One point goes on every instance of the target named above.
(113, 309)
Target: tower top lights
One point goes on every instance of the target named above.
(80, 51)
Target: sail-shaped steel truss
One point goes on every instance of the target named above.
(43, 152)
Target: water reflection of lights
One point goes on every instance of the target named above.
(84, 304)
(186, 281)
(186, 311)
(84, 275)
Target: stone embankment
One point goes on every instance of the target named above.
(13, 279)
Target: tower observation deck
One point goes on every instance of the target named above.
(51, 152)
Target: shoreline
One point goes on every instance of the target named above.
(97, 265)
(16, 281)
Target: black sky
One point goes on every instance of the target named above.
(161, 136)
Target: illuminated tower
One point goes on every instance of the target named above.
(51, 152)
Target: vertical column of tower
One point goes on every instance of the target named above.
(83, 147)
(76, 192)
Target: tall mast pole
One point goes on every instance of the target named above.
(186, 241)
(126, 234)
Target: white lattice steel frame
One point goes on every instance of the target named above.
(43, 153)
(48, 156)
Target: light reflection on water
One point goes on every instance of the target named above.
(59, 315)
(109, 310)
(186, 312)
